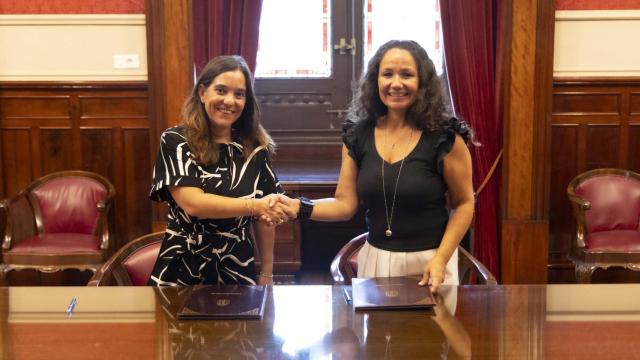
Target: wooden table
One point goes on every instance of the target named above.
(308, 322)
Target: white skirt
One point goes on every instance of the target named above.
(374, 262)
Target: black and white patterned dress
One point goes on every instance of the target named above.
(208, 251)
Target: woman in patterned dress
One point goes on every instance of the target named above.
(214, 172)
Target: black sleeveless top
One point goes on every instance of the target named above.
(420, 214)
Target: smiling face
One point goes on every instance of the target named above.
(398, 80)
(224, 99)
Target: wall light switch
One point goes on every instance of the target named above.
(126, 61)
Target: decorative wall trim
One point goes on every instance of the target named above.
(72, 19)
(596, 15)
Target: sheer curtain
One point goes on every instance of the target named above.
(225, 27)
(469, 31)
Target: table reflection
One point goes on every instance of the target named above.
(314, 322)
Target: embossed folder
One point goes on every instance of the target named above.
(224, 302)
(390, 293)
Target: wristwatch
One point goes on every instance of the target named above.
(306, 208)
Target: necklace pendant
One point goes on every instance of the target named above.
(388, 233)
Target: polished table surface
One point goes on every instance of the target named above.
(315, 322)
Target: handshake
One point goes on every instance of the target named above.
(275, 209)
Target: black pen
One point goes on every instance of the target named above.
(347, 295)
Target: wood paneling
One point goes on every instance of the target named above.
(26, 106)
(586, 103)
(526, 98)
(600, 152)
(634, 106)
(102, 107)
(137, 177)
(598, 127)
(55, 150)
(527, 264)
(564, 140)
(97, 151)
(16, 159)
(100, 127)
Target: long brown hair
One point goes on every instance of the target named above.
(428, 112)
(198, 126)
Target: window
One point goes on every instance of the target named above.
(311, 53)
(311, 37)
(386, 20)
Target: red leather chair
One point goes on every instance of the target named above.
(132, 264)
(60, 221)
(344, 266)
(606, 206)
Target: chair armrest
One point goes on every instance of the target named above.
(485, 276)
(579, 201)
(103, 230)
(579, 206)
(340, 270)
(18, 220)
(4, 224)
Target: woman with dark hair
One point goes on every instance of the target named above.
(214, 172)
(403, 155)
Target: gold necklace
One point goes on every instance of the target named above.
(389, 217)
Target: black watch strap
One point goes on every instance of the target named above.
(306, 208)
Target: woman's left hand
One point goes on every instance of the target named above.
(434, 271)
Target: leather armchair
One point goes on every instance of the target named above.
(59, 221)
(132, 264)
(344, 266)
(606, 206)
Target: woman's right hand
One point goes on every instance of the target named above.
(269, 210)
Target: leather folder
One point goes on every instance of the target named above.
(224, 302)
(390, 293)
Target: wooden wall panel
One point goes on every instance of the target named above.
(564, 148)
(16, 157)
(586, 103)
(634, 106)
(34, 106)
(102, 107)
(97, 151)
(595, 123)
(602, 151)
(634, 146)
(138, 180)
(99, 127)
(55, 150)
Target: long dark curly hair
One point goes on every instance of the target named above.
(198, 126)
(428, 112)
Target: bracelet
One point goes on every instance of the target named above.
(266, 275)
(248, 204)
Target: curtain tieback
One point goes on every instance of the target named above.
(489, 174)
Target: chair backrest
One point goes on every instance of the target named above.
(344, 266)
(132, 264)
(614, 197)
(68, 201)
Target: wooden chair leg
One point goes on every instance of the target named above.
(584, 272)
